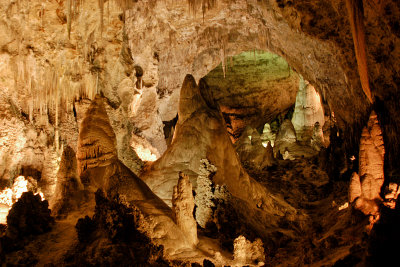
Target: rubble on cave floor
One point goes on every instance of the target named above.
(332, 232)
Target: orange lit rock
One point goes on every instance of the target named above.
(97, 142)
(365, 188)
(182, 208)
(100, 168)
(251, 150)
(246, 252)
(371, 155)
(355, 187)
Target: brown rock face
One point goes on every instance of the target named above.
(182, 208)
(372, 153)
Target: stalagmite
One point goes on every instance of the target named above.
(355, 187)
(308, 110)
(204, 193)
(96, 143)
(182, 208)
(246, 252)
(371, 155)
(69, 17)
(365, 189)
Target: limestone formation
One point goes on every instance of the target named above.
(251, 150)
(391, 195)
(355, 187)
(264, 79)
(371, 155)
(246, 252)
(365, 188)
(308, 111)
(200, 122)
(97, 141)
(286, 133)
(182, 208)
(204, 193)
(68, 184)
(317, 138)
(99, 168)
(267, 135)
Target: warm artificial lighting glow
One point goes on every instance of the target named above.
(11, 195)
(145, 153)
(344, 206)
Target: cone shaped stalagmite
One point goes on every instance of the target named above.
(100, 167)
(201, 134)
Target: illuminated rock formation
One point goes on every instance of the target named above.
(68, 184)
(267, 135)
(355, 187)
(97, 141)
(246, 252)
(182, 208)
(317, 138)
(201, 134)
(200, 122)
(308, 110)
(371, 155)
(365, 188)
(100, 168)
(251, 150)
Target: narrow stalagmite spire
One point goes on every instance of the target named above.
(182, 208)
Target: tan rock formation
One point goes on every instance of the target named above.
(308, 110)
(68, 184)
(371, 155)
(201, 134)
(246, 252)
(317, 138)
(97, 141)
(99, 167)
(182, 208)
(366, 187)
(267, 135)
(204, 193)
(251, 150)
(355, 187)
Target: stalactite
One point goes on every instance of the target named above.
(101, 6)
(356, 17)
(204, 4)
(69, 18)
(222, 56)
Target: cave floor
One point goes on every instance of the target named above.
(330, 233)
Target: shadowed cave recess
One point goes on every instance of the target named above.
(199, 132)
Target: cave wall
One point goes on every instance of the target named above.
(314, 37)
(153, 44)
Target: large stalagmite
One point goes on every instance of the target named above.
(100, 167)
(201, 134)
(365, 188)
(182, 208)
(372, 153)
(308, 111)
